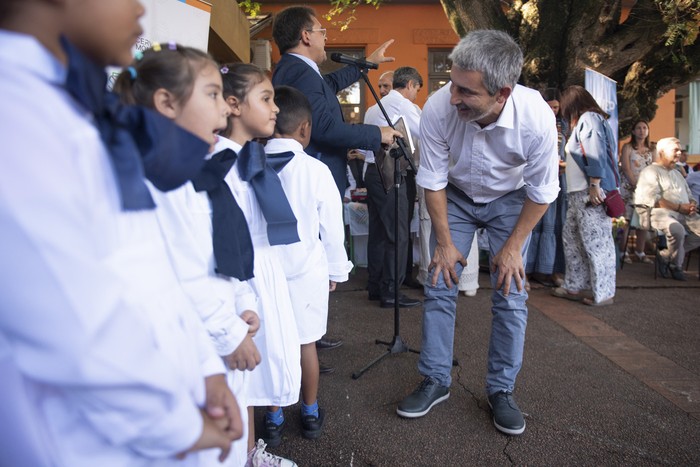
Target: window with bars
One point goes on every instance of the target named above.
(439, 66)
(352, 98)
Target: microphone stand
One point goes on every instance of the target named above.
(397, 344)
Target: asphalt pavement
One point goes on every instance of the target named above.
(617, 385)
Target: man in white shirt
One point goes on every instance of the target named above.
(674, 210)
(386, 83)
(381, 243)
(488, 159)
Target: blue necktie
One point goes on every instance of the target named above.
(252, 168)
(280, 160)
(233, 248)
(141, 143)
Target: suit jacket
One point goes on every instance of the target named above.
(331, 137)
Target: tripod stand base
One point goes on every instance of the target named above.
(397, 345)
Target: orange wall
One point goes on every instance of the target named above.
(373, 27)
(664, 123)
(415, 28)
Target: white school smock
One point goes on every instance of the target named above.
(320, 256)
(184, 216)
(99, 388)
(277, 379)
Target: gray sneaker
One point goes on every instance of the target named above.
(420, 401)
(507, 416)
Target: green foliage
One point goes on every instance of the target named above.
(250, 7)
(683, 20)
(342, 12)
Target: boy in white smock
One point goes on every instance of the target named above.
(314, 265)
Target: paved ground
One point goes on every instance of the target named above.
(600, 386)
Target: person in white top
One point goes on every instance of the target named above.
(381, 243)
(98, 371)
(488, 159)
(386, 83)
(225, 304)
(674, 210)
(591, 172)
(314, 265)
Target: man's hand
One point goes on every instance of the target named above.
(378, 55)
(509, 264)
(331, 286)
(443, 261)
(214, 437)
(388, 135)
(222, 407)
(245, 357)
(253, 320)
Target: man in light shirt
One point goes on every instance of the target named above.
(674, 210)
(385, 83)
(488, 159)
(381, 243)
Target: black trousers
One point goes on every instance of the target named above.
(381, 242)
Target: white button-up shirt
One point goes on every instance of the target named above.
(396, 106)
(519, 149)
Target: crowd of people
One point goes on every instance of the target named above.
(169, 246)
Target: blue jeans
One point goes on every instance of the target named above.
(509, 313)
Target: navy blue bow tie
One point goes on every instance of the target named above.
(233, 248)
(141, 143)
(278, 161)
(253, 168)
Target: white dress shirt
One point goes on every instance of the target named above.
(102, 390)
(396, 106)
(519, 149)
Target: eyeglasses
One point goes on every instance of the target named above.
(321, 30)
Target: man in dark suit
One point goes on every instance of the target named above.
(301, 40)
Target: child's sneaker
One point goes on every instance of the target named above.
(272, 434)
(259, 457)
(311, 426)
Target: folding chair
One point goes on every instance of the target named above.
(644, 213)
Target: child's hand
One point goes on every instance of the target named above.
(331, 286)
(222, 407)
(245, 357)
(213, 436)
(253, 321)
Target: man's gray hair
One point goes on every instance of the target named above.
(494, 53)
(405, 74)
(664, 143)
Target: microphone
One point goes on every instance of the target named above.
(348, 60)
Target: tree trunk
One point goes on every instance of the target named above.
(561, 38)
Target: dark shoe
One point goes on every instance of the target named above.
(325, 369)
(404, 302)
(326, 343)
(507, 416)
(373, 296)
(543, 279)
(676, 273)
(272, 434)
(428, 394)
(661, 266)
(311, 426)
(412, 284)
